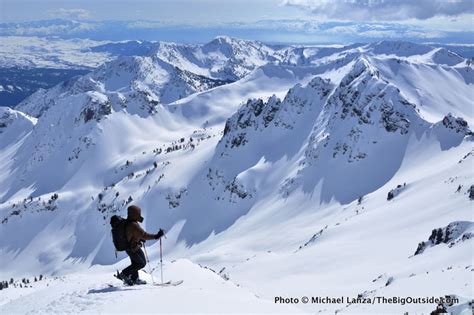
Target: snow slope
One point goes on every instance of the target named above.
(223, 58)
(203, 291)
(322, 177)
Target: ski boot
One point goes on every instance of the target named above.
(127, 280)
(139, 281)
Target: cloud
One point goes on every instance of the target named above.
(75, 14)
(384, 10)
(47, 28)
(284, 30)
(303, 26)
(139, 24)
(382, 31)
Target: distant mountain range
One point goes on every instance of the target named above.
(54, 60)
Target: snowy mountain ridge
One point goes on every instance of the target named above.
(323, 155)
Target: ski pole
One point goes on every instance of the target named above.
(153, 269)
(148, 263)
(161, 261)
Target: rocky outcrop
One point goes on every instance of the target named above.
(457, 124)
(451, 235)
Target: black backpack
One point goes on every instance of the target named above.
(118, 233)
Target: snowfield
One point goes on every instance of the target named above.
(95, 292)
(26, 52)
(278, 173)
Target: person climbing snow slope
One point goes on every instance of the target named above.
(135, 235)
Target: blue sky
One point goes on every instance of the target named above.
(199, 12)
(296, 21)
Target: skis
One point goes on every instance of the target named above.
(169, 283)
(164, 284)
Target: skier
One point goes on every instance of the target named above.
(135, 236)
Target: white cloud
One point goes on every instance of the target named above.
(145, 25)
(48, 29)
(384, 10)
(377, 31)
(75, 14)
(306, 26)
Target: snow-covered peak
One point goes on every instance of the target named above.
(223, 58)
(137, 83)
(14, 125)
(398, 48)
(344, 127)
(226, 41)
(222, 40)
(10, 117)
(446, 57)
(416, 53)
(361, 68)
(258, 114)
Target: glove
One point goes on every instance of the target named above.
(159, 234)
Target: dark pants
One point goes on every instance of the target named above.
(138, 262)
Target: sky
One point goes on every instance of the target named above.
(171, 11)
(276, 21)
